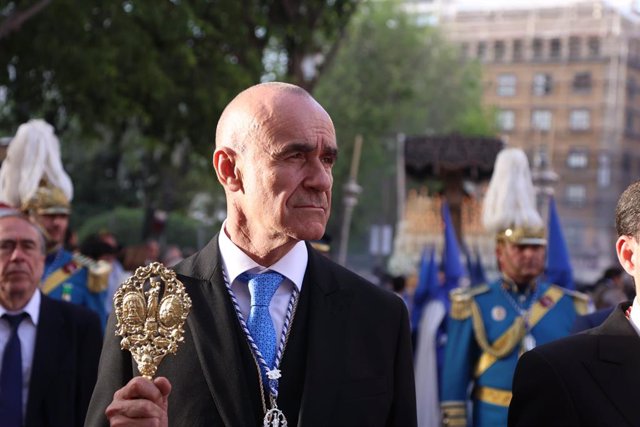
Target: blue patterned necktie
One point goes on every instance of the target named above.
(262, 288)
(11, 377)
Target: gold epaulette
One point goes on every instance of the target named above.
(461, 300)
(454, 413)
(581, 301)
(98, 277)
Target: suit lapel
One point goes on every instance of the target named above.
(328, 310)
(51, 342)
(214, 326)
(617, 369)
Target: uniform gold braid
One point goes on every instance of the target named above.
(461, 301)
(581, 301)
(99, 271)
(515, 334)
(454, 414)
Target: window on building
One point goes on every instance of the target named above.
(518, 51)
(481, 50)
(604, 170)
(506, 120)
(506, 85)
(574, 236)
(582, 82)
(541, 120)
(574, 47)
(499, 50)
(576, 194)
(537, 47)
(632, 88)
(541, 84)
(555, 49)
(593, 47)
(628, 121)
(578, 158)
(580, 119)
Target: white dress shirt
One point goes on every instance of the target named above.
(27, 335)
(292, 266)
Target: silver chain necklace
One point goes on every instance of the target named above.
(529, 341)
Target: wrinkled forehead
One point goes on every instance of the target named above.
(18, 227)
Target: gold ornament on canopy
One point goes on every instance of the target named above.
(150, 319)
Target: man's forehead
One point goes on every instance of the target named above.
(16, 226)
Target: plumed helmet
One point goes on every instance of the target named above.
(32, 177)
(509, 207)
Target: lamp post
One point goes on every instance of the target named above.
(351, 191)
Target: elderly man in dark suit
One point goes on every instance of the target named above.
(324, 347)
(49, 348)
(588, 379)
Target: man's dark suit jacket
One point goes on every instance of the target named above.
(591, 320)
(586, 379)
(347, 362)
(65, 364)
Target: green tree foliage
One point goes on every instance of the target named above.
(134, 87)
(179, 230)
(392, 75)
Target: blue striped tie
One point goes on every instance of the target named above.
(262, 288)
(11, 377)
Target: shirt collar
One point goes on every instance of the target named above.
(32, 308)
(634, 317)
(292, 265)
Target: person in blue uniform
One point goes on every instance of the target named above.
(67, 276)
(33, 180)
(491, 325)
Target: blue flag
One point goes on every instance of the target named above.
(558, 270)
(475, 269)
(451, 264)
(479, 277)
(424, 288)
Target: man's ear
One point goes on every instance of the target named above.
(626, 246)
(225, 164)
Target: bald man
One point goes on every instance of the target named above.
(324, 347)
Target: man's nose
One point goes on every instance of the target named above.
(319, 176)
(18, 253)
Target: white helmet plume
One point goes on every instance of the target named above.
(33, 155)
(510, 197)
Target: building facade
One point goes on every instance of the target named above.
(564, 81)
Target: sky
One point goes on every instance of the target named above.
(489, 4)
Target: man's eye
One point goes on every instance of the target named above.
(329, 160)
(7, 246)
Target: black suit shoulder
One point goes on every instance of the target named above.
(85, 317)
(579, 380)
(348, 280)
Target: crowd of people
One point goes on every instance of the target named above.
(278, 333)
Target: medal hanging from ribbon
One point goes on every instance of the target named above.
(274, 417)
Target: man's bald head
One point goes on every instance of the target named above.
(246, 114)
(275, 151)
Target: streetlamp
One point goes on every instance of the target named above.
(351, 191)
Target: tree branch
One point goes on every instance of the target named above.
(14, 21)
